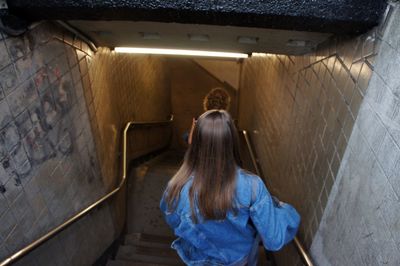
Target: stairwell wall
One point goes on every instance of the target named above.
(361, 223)
(49, 165)
(300, 111)
(63, 108)
(123, 88)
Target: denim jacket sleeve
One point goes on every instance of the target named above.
(171, 217)
(277, 224)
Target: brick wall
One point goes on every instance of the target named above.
(361, 223)
(300, 111)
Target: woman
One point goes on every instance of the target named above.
(217, 98)
(219, 211)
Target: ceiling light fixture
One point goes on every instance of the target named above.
(142, 50)
(261, 55)
(298, 43)
(199, 37)
(150, 35)
(247, 40)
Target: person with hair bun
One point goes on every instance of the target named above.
(218, 211)
(218, 99)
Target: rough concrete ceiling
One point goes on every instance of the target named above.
(273, 26)
(195, 36)
(340, 16)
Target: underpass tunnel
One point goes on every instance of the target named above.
(316, 94)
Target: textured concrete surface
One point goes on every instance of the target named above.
(48, 163)
(146, 186)
(197, 36)
(300, 111)
(361, 223)
(345, 16)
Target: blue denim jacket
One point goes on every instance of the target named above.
(230, 241)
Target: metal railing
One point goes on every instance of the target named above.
(300, 248)
(27, 249)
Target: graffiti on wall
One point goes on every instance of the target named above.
(37, 97)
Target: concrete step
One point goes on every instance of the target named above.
(148, 240)
(153, 255)
(131, 263)
(135, 237)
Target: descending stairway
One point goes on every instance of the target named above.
(148, 238)
(144, 249)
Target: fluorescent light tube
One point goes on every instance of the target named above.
(260, 54)
(139, 50)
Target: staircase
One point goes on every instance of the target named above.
(148, 238)
(145, 249)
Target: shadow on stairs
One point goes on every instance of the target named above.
(145, 249)
(148, 238)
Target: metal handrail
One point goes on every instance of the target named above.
(252, 154)
(299, 246)
(24, 251)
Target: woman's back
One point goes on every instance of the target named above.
(231, 240)
(218, 210)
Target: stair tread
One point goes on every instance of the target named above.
(141, 243)
(152, 251)
(131, 263)
(149, 238)
(155, 255)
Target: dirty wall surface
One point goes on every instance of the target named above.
(361, 223)
(63, 108)
(48, 162)
(300, 112)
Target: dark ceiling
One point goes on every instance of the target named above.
(333, 16)
(274, 26)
